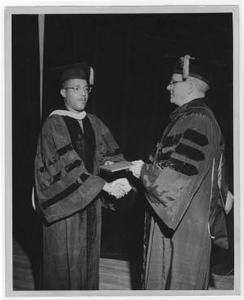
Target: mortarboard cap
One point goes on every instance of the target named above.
(80, 70)
(190, 66)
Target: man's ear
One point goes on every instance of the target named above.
(63, 93)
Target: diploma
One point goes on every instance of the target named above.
(117, 166)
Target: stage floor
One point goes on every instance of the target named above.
(115, 274)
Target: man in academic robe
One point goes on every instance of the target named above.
(185, 187)
(71, 147)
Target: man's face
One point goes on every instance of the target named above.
(178, 89)
(75, 93)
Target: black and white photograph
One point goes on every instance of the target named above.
(122, 137)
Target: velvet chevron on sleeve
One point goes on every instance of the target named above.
(181, 165)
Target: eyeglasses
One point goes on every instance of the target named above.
(77, 89)
(172, 82)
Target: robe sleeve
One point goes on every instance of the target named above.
(63, 185)
(183, 161)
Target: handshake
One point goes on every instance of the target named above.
(118, 188)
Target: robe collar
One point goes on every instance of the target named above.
(63, 112)
(199, 102)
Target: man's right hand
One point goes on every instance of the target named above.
(118, 188)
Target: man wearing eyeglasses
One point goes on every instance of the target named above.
(72, 146)
(185, 187)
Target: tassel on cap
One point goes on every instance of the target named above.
(185, 64)
(91, 78)
(197, 68)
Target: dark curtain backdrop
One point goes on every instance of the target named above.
(130, 55)
(25, 131)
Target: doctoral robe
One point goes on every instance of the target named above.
(182, 191)
(68, 189)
